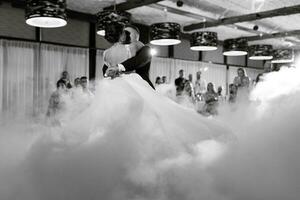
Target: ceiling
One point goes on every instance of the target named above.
(195, 11)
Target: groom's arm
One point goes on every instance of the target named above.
(142, 57)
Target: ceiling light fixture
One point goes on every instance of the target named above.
(235, 47)
(104, 18)
(204, 41)
(165, 34)
(283, 56)
(260, 52)
(46, 13)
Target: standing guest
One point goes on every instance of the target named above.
(56, 102)
(232, 93)
(77, 82)
(84, 85)
(200, 86)
(66, 78)
(221, 97)
(164, 80)
(158, 81)
(189, 87)
(211, 101)
(241, 80)
(258, 78)
(180, 83)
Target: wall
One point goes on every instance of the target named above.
(76, 32)
(12, 23)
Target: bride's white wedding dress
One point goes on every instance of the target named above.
(124, 145)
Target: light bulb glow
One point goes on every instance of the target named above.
(153, 52)
(204, 48)
(235, 53)
(101, 32)
(165, 42)
(46, 22)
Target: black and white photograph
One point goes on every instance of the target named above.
(149, 99)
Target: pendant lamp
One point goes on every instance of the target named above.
(235, 47)
(46, 13)
(104, 18)
(165, 34)
(204, 41)
(260, 52)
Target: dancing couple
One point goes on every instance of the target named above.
(127, 54)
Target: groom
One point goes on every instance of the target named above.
(140, 62)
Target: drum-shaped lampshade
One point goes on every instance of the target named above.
(261, 52)
(235, 47)
(104, 18)
(204, 41)
(283, 56)
(164, 34)
(46, 14)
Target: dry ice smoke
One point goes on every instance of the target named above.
(262, 163)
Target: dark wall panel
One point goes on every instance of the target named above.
(183, 51)
(213, 56)
(236, 60)
(162, 51)
(12, 23)
(74, 33)
(256, 63)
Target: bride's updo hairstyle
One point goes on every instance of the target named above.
(113, 32)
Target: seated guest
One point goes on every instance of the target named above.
(232, 93)
(211, 100)
(180, 83)
(157, 81)
(66, 78)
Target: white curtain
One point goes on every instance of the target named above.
(17, 77)
(53, 61)
(99, 64)
(29, 71)
(1, 74)
(169, 67)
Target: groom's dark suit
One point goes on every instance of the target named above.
(140, 63)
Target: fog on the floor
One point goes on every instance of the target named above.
(40, 162)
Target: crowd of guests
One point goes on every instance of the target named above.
(199, 92)
(66, 91)
(204, 95)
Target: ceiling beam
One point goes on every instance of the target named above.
(244, 18)
(274, 35)
(178, 11)
(131, 4)
(199, 17)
